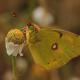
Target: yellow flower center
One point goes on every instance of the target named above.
(15, 36)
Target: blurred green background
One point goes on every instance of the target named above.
(62, 13)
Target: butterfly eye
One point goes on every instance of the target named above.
(54, 46)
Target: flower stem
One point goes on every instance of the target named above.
(14, 67)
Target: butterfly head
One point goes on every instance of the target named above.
(30, 28)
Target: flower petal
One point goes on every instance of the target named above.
(20, 49)
(14, 49)
(9, 47)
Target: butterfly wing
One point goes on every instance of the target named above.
(52, 48)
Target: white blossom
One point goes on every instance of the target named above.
(42, 17)
(14, 49)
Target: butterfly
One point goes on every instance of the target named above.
(50, 47)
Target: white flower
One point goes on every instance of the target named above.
(14, 49)
(42, 17)
(15, 41)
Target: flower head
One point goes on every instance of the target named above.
(15, 42)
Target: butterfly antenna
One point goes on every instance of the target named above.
(14, 14)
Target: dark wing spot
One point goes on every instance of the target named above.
(60, 33)
(48, 63)
(54, 46)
